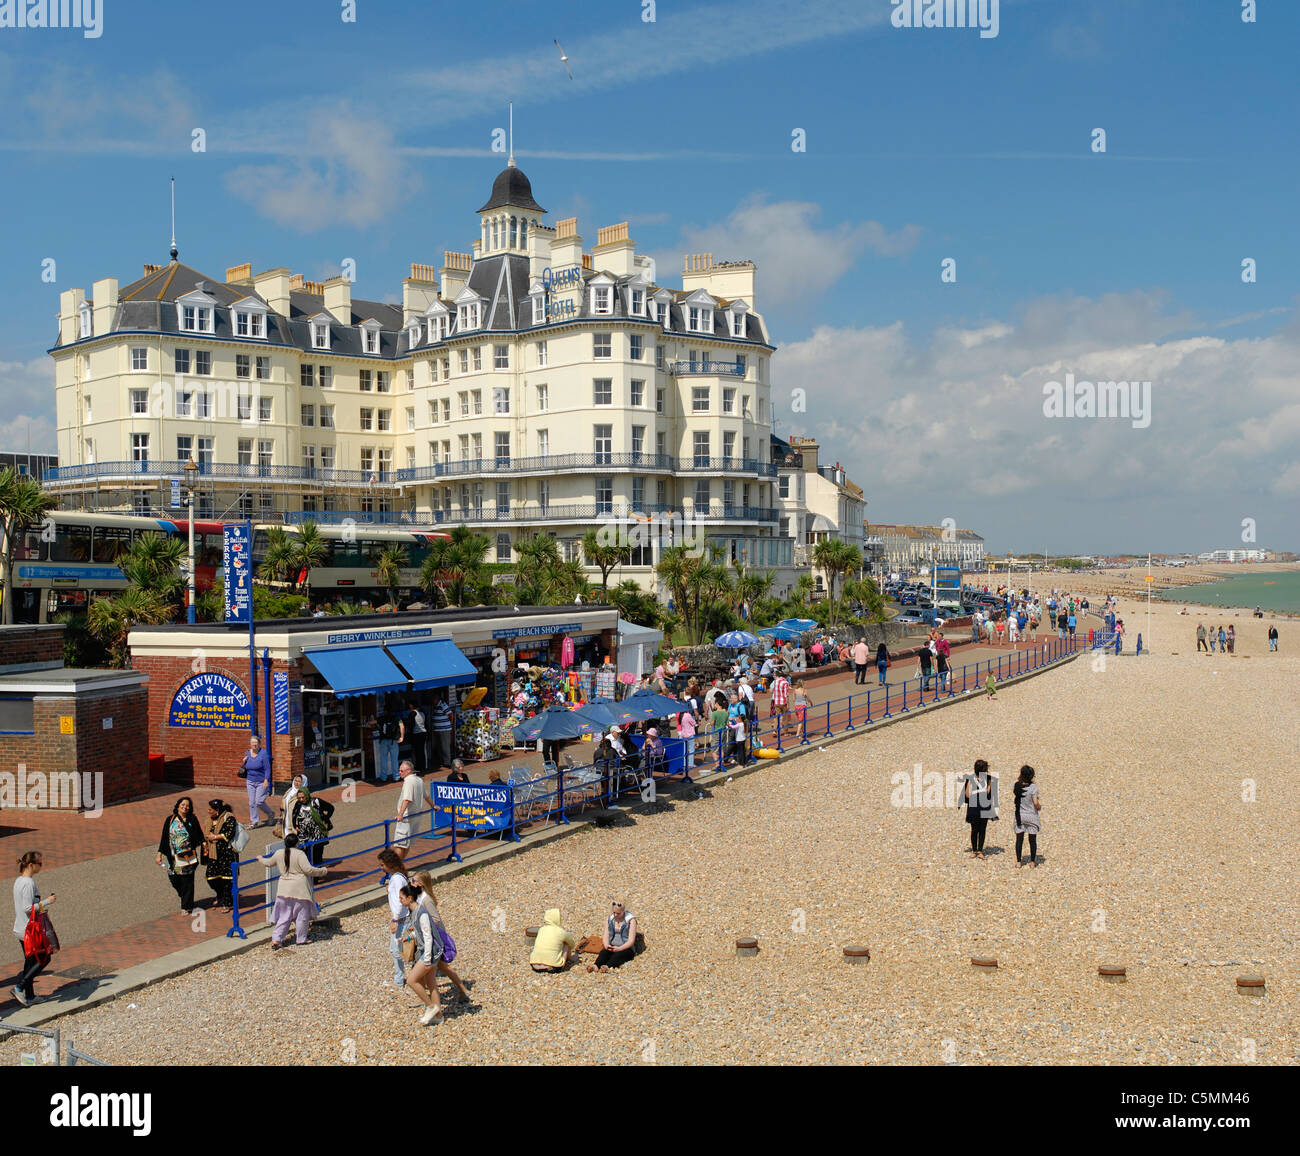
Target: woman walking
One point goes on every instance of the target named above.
(28, 901)
(424, 881)
(294, 902)
(221, 852)
(179, 846)
(428, 953)
(1232, 640)
(882, 661)
(1028, 804)
(981, 797)
(398, 915)
(310, 818)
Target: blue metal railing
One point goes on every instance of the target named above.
(162, 469)
(489, 512)
(727, 368)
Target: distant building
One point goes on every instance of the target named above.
(33, 465)
(910, 547)
(1235, 556)
(817, 502)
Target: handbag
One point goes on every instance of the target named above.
(409, 947)
(240, 841)
(35, 941)
(184, 864)
(242, 773)
(448, 944)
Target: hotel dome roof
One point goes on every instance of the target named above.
(512, 188)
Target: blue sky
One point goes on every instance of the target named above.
(328, 139)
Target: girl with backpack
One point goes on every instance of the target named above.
(1028, 804)
(424, 881)
(30, 926)
(220, 854)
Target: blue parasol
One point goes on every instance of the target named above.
(734, 639)
(555, 722)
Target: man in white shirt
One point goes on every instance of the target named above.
(747, 693)
(411, 800)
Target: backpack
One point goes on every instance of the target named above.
(240, 841)
(35, 941)
(388, 728)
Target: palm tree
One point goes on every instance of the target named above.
(388, 570)
(605, 557)
(153, 565)
(277, 561)
(454, 567)
(837, 560)
(23, 504)
(696, 583)
(310, 550)
(635, 605)
(111, 620)
(865, 591)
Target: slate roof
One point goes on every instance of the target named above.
(511, 187)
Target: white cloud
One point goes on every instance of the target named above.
(27, 388)
(797, 257)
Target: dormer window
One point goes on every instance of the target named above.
(320, 335)
(539, 309)
(369, 336)
(637, 308)
(249, 324)
(468, 316)
(662, 308)
(737, 325)
(439, 320)
(699, 319)
(83, 323)
(413, 334)
(196, 318)
(601, 299)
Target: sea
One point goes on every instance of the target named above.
(1278, 592)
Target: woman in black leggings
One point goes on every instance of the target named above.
(1028, 804)
(981, 798)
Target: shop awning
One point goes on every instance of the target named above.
(433, 664)
(357, 670)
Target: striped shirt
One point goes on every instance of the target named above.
(781, 690)
(441, 717)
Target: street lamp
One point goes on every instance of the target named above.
(191, 478)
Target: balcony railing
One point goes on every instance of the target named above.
(727, 368)
(163, 470)
(582, 511)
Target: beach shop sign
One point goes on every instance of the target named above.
(472, 806)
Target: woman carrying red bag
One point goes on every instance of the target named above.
(32, 927)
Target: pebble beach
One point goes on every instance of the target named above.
(1171, 812)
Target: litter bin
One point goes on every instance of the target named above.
(157, 767)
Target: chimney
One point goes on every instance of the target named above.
(615, 251)
(239, 275)
(150, 270)
(419, 291)
(273, 287)
(70, 315)
(540, 238)
(338, 299)
(104, 299)
(566, 249)
(455, 273)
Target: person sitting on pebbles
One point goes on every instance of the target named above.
(618, 944)
(554, 947)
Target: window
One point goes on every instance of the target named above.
(477, 351)
(728, 493)
(140, 401)
(367, 418)
(184, 407)
(659, 400)
(603, 444)
(661, 492)
(541, 355)
(464, 447)
(368, 459)
(264, 369)
(703, 495)
(728, 400)
(659, 357)
(602, 391)
(327, 417)
(383, 381)
(365, 378)
(476, 400)
(245, 451)
(501, 400)
(243, 365)
(638, 439)
(309, 457)
(503, 507)
(325, 376)
(83, 323)
(638, 302)
(500, 357)
(602, 346)
(205, 451)
(327, 458)
(783, 485)
(636, 347)
(464, 403)
(202, 404)
(700, 399)
(737, 325)
(140, 447)
(88, 417)
(539, 308)
(370, 340)
(543, 442)
(308, 416)
(385, 420)
(661, 313)
(742, 365)
(203, 362)
(701, 448)
(661, 444)
(244, 407)
(249, 324)
(196, 318)
(699, 319)
(543, 399)
(184, 447)
(638, 493)
(745, 406)
(18, 715)
(182, 360)
(502, 446)
(433, 372)
(139, 358)
(638, 393)
(544, 494)
(306, 376)
(503, 540)
(446, 369)
(604, 495)
(265, 451)
(476, 446)
(464, 361)
(446, 409)
(410, 418)
(438, 327)
(468, 316)
(263, 409)
(320, 335)
(410, 457)
(729, 445)
(602, 299)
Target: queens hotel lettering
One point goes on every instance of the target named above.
(212, 701)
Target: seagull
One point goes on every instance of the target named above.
(564, 60)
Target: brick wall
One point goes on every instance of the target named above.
(119, 755)
(211, 757)
(24, 645)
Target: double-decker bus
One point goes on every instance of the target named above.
(60, 565)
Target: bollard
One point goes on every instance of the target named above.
(530, 934)
(984, 963)
(857, 955)
(746, 946)
(1113, 973)
(1250, 985)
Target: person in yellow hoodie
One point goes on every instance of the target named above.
(554, 947)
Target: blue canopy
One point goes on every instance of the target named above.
(660, 704)
(735, 638)
(555, 722)
(606, 712)
(799, 623)
(357, 670)
(433, 664)
(783, 633)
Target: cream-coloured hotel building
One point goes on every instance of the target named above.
(531, 385)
